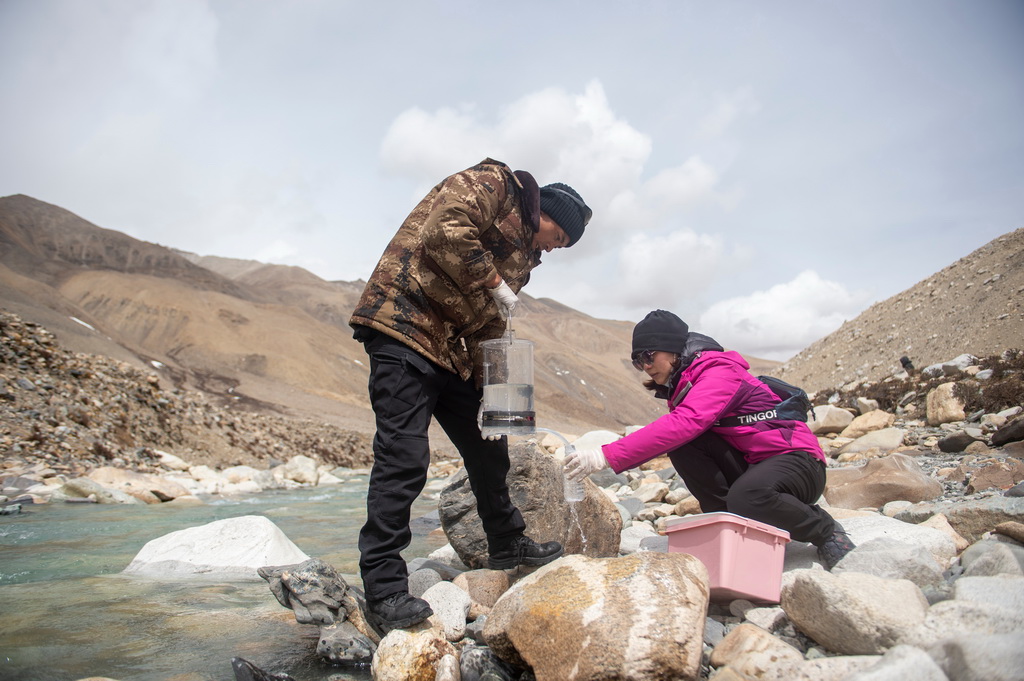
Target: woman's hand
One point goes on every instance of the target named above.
(581, 463)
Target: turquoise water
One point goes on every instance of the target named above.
(66, 613)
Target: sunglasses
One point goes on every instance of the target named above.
(643, 358)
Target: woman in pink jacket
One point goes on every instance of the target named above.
(724, 437)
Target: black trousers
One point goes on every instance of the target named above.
(406, 390)
(780, 491)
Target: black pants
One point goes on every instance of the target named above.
(406, 389)
(780, 491)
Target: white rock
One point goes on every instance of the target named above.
(230, 548)
(327, 479)
(238, 474)
(301, 469)
(172, 462)
(451, 606)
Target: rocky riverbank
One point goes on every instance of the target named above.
(925, 472)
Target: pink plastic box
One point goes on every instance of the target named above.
(743, 557)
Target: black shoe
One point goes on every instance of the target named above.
(524, 551)
(397, 611)
(835, 548)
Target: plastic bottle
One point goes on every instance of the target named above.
(573, 489)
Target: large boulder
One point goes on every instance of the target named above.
(151, 489)
(233, 548)
(868, 423)
(943, 406)
(829, 419)
(853, 613)
(896, 477)
(637, 617)
(971, 518)
(411, 654)
(84, 488)
(590, 527)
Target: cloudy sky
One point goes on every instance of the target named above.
(765, 170)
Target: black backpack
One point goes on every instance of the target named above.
(794, 405)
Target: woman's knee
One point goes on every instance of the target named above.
(748, 500)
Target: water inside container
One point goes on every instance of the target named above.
(508, 409)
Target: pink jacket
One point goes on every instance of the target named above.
(714, 386)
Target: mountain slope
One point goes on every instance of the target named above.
(269, 336)
(972, 306)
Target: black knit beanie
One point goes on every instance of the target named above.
(566, 207)
(660, 330)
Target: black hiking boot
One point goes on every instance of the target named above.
(524, 551)
(397, 611)
(835, 547)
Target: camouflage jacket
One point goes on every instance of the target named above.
(428, 291)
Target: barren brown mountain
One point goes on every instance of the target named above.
(974, 306)
(276, 338)
(268, 336)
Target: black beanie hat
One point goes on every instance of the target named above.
(660, 330)
(566, 207)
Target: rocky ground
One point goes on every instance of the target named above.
(929, 461)
(75, 412)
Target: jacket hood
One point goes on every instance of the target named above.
(696, 343)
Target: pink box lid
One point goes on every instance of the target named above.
(691, 522)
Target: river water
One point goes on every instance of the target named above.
(67, 613)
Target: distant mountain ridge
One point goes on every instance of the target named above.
(276, 337)
(271, 336)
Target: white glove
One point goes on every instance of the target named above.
(583, 462)
(505, 299)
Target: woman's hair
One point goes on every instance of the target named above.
(652, 386)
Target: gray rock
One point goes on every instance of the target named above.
(714, 631)
(893, 559)
(632, 536)
(247, 671)
(633, 505)
(481, 664)
(421, 580)
(963, 617)
(451, 606)
(956, 442)
(980, 657)
(655, 543)
(1011, 432)
(865, 529)
(1003, 591)
(342, 643)
(992, 557)
(852, 613)
(900, 663)
(971, 518)
(590, 527)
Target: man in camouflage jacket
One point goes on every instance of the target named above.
(444, 284)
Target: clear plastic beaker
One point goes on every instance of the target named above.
(508, 387)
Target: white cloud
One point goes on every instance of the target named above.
(663, 270)
(781, 321)
(556, 135)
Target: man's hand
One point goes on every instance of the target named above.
(582, 462)
(505, 298)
